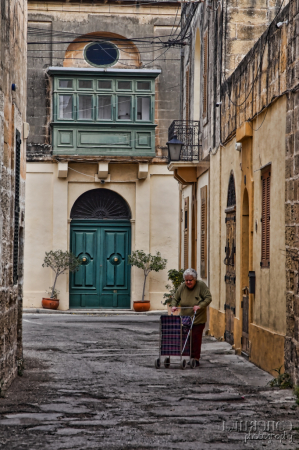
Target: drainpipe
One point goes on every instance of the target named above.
(182, 83)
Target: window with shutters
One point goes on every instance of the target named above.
(266, 187)
(205, 74)
(17, 208)
(186, 232)
(203, 232)
(187, 103)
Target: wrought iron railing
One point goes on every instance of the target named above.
(188, 133)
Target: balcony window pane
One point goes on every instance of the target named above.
(124, 108)
(104, 107)
(66, 84)
(143, 85)
(124, 85)
(104, 84)
(65, 107)
(85, 84)
(85, 107)
(143, 108)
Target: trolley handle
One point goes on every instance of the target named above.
(185, 307)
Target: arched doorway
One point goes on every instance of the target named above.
(230, 261)
(245, 270)
(101, 238)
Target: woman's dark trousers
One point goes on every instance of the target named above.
(197, 331)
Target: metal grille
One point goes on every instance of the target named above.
(101, 204)
(188, 133)
(231, 196)
(17, 208)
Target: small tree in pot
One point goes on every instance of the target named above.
(59, 262)
(176, 278)
(147, 263)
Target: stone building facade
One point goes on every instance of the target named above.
(291, 192)
(218, 38)
(239, 74)
(99, 133)
(13, 133)
(272, 106)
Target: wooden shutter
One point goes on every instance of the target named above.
(266, 184)
(194, 228)
(205, 74)
(203, 231)
(187, 103)
(17, 208)
(186, 233)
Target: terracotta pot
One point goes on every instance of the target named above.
(50, 303)
(140, 306)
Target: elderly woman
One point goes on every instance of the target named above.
(193, 293)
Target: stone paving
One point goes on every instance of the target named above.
(90, 383)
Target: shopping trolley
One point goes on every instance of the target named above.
(175, 339)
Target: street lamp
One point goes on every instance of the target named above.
(174, 148)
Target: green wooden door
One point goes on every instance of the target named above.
(103, 280)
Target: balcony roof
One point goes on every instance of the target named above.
(178, 164)
(149, 73)
(187, 172)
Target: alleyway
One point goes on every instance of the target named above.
(90, 383)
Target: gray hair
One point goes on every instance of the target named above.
(190, 272)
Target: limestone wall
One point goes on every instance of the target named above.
(232, 28)
(292, 201)
(269, 71)
(12, 115)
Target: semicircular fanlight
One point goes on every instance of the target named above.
(100, 204)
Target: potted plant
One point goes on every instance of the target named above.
(176, 278)
(59, 262)
(147, 263)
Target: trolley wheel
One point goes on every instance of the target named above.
(183, 364)
(167, 363)
(192, 363)
(157, 363)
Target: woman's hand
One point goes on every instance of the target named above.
(174, 309)
(196, 308)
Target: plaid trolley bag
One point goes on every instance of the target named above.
(175, 340)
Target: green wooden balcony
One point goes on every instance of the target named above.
(103, 112)
(95, 139)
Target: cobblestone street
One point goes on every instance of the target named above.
(90, 383)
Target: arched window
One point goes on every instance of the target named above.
(231, 194)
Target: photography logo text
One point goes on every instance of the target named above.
(261, 430)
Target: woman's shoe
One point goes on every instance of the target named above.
(196, 363)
